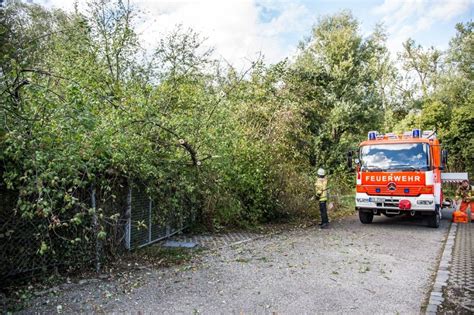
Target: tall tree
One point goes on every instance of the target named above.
(421, 66)
(340, 79)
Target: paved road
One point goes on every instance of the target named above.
(385, 267)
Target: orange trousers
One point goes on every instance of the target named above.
(465, 205)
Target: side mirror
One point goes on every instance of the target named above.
(349, 160)
(444, 159)
(357, 161)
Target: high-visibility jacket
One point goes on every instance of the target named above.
(321, 187)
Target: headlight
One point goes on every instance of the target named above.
(362, 200)
(424, 202)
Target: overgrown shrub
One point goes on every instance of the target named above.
(84, 108)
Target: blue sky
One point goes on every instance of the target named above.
(437, 31)
(239, 29)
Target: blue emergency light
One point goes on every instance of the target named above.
(416, 133)
(372, 135)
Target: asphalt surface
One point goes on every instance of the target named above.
(385, 267)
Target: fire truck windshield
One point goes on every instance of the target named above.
(395, 157)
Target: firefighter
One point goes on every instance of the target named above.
(322, 196)
(465, 193)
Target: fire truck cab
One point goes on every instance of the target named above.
(400, 174)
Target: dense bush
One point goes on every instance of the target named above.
(84, 107)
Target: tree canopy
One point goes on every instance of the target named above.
(82, 103)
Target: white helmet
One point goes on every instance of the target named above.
(321, 172)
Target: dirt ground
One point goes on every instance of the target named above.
(384, 267)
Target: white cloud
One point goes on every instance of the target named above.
(407, 18)
(233, 27)
(64, 4)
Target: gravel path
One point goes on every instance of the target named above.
(385, 267)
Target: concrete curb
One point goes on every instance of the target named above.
(442, 275)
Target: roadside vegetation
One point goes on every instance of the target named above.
(83, 105)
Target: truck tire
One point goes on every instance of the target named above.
(435, 219)
(366, 217)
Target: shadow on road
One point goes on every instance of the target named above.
(408, 220)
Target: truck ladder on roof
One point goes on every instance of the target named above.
(453, 177)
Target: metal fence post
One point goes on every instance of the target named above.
(95, 223)
(128, 227)
(149, 221)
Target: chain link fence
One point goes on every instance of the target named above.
(139, 220)
(150, 221)
(22, 239)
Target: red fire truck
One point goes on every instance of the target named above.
(400, 174)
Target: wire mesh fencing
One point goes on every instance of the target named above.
(133, 218)
(150, 221)
(23, 242)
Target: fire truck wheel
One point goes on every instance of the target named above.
(366, 217)
(435, 219)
